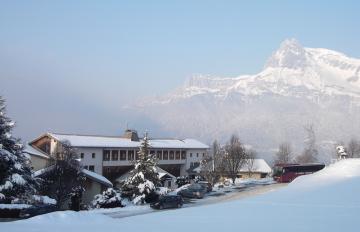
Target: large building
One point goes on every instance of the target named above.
(112, 156)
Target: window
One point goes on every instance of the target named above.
(82, 155)
(131, 155)
(165, 155)
(123, 155)
(137, 155)
(93, 155)
(106, 155)
(190, 154)
(171, 155)
(177, 155)
(92, 168)
(183, 155)
(114, 155)
(197, 154)
(152, 152)
(159, 155)
(203, 154)
(86, 167)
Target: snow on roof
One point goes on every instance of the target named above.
(259, 165)
(34, 151)
(197, 169)
(111, 141)
(177, 143)
(97, 177)
(42, 171)
(161, 172)
(92, 175)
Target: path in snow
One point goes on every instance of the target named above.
(212, 198)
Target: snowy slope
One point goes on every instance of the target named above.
(325, 201)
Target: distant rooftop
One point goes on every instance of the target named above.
(126, 142)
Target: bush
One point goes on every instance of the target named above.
(110, 198)
(182, 180)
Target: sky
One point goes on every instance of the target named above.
(69, 66)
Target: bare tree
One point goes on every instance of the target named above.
(219, 161)
(310, 153)
(207, 169)
(235, 157)
(212, 167)
(63, 177)
(353, 148)
(284, 154)
(250, 161)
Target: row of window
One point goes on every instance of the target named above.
(197, 154)
(115, 155)
(129, 155)
(118, 155)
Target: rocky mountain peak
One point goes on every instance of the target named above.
(290, 55)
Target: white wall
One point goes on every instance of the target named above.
(192, 159)
(88, 160)
(197, 156)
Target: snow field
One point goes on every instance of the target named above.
(324, 201)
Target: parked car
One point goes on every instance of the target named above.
(168, 201)
(206, 185)
(37, 210)
(193, 191)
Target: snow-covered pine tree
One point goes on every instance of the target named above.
(16, 182)
(141, 185)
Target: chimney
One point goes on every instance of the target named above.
(131, 134)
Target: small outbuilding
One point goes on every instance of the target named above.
(256, 168)
(94, 184)
(167, 179)
(38, 158)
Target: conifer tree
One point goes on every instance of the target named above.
(16, 182)
(144, 178)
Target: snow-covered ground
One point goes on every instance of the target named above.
(228, 193)
(325, 201)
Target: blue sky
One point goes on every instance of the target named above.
(94, 56)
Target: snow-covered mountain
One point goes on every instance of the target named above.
(291, 71)
(297, 86)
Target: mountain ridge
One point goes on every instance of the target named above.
(290, 66)
(298, 86)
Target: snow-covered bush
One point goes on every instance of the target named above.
(110, 198)
(16, 181)
(43, 200)
(140, 187)
(198, 178)
(182, 180)
(161, 191)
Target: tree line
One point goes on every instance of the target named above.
(285, 154)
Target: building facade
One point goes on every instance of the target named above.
(113, 156)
